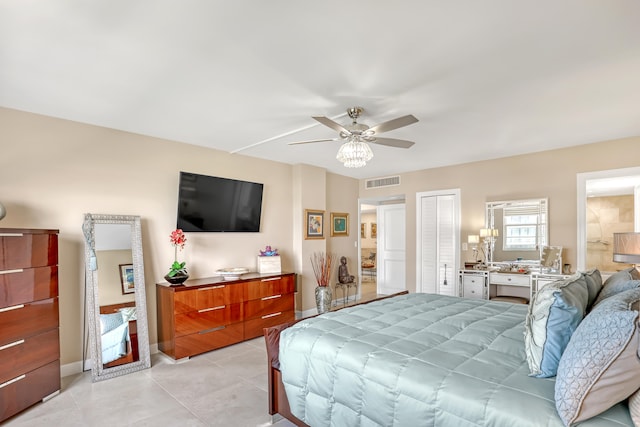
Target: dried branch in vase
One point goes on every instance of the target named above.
(321, 264)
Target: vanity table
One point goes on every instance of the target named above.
(518, 259)
(485, 284)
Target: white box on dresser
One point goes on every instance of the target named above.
(29, 337)
(269, 264)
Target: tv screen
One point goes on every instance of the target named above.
(209, 203)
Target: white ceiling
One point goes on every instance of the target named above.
(486, 79)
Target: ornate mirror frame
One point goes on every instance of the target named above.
(541, 205)
(98, 370)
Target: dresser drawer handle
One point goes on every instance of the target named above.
(271, 279)
(206, 331)
(16, 379)
(272, 315)
(6, 346)
(212, 287)
(220, 307)
(271, 297)
(11, 234)
(14, 307)
(20, 270)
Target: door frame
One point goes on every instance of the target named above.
(456, 192)
(375, 201)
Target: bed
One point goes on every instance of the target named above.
(118, 339)
(413, 360)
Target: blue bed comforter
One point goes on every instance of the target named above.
(419, 360)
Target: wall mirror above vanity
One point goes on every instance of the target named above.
(522, 231)
(115, 295)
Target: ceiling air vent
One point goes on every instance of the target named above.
(388, 181)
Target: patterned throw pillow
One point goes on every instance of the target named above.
(109, 322)
(597, 368)
(554, 314)
(128, 313)
(618, 283)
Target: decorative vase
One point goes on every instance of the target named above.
(178, 279)
(323, 299)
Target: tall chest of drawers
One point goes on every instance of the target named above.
(29, 338)
(206, 314)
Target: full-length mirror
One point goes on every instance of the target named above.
(520, 230)
(116, 301)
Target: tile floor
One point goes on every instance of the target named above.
(226, 387)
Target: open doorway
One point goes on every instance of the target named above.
(381, 246)
(608, 202)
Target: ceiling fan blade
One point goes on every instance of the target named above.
(311, 141)
(392, 124)
(333, 125)
(391, 142)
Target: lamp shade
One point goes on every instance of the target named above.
(626, 248)
(489, 232)
(473, 238)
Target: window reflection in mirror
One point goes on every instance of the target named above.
(522, 227)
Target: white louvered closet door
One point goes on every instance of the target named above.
(438, 228)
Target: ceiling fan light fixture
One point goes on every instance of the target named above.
(354, 153)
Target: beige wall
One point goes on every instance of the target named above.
(367, 219)
(109, 284)
(549, 174)
(53, 171)
(341, 199)
(605, 216)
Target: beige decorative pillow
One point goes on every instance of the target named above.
(634, 408)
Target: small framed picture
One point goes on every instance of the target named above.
(126, 278)
(314, 224)
(339, 224)
(363, 230)
(374, 230)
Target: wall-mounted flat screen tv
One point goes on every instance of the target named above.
(209, 203)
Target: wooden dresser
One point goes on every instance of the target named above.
(29, 339)
(206, 314)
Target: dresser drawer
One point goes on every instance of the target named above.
(26, 285)
(254, 328)
(207, 297)
(198, 321)
(204, 341)
(473, 287)
(257, 289)
(25, 320)
(268, 305)
(510, 279)
(24, 390)
(27, 354)
(19, 250)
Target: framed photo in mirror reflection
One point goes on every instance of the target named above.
(126, 279)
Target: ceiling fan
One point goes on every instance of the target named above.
(361, 132)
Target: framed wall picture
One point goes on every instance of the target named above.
(363, 230)
(339, 224)
(314, 224)
(374, 230)
(126, 278)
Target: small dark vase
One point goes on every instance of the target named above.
(178, 279)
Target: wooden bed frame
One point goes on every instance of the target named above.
(278, 402)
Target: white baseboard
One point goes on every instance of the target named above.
(76, 367)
